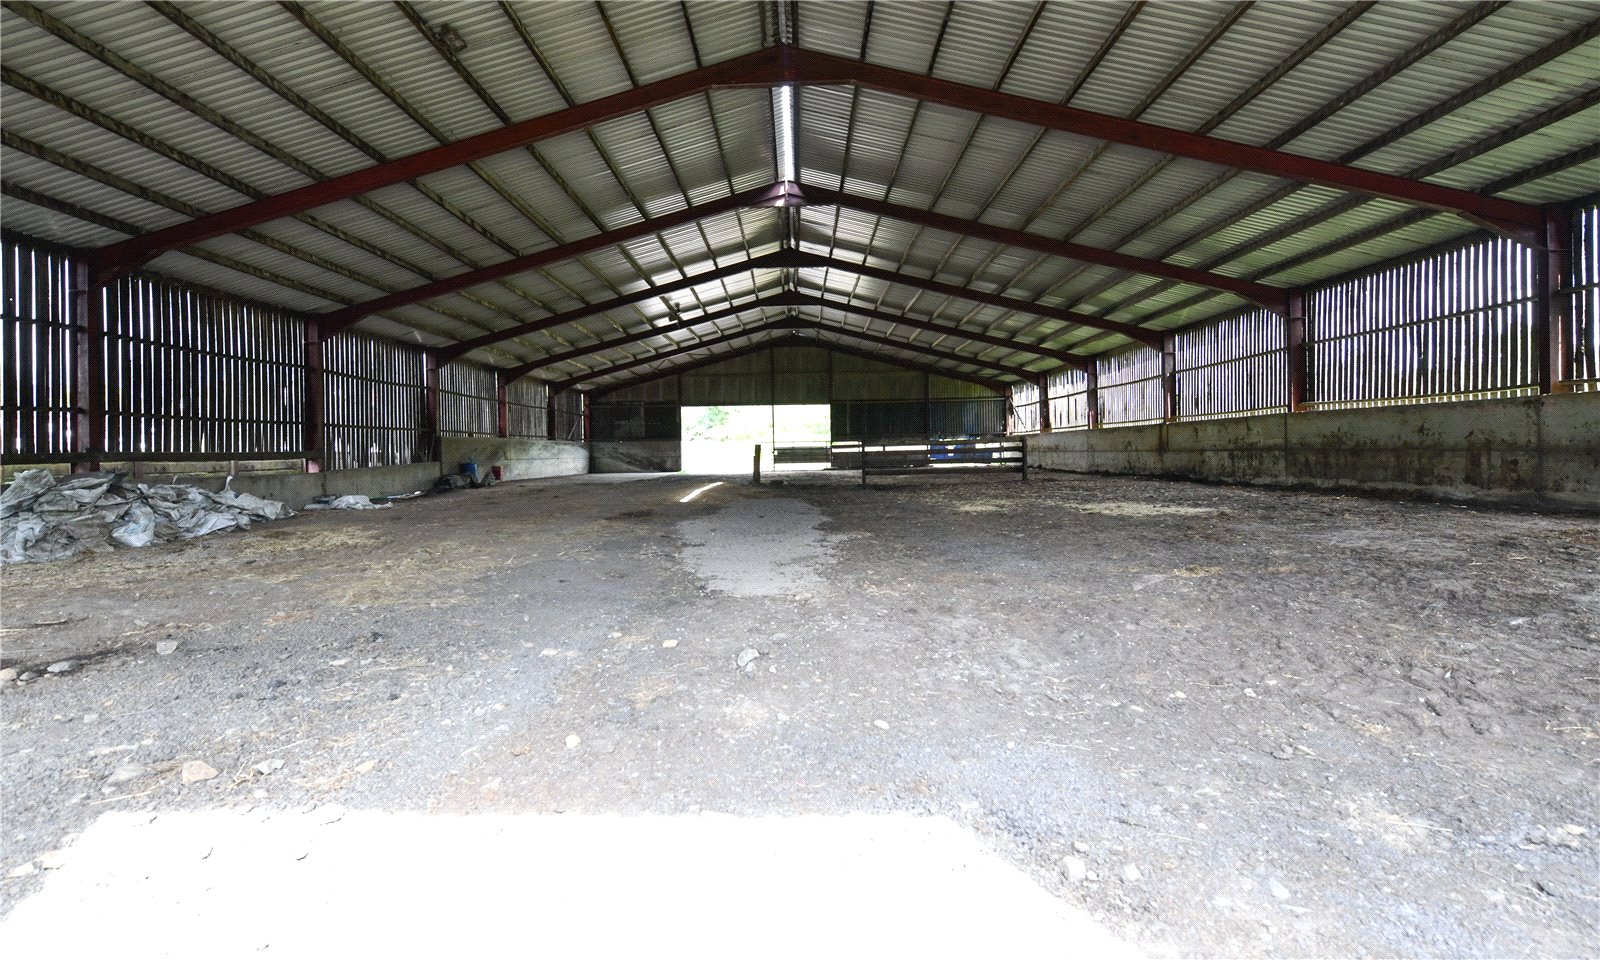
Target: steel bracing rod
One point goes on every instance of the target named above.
(810, 67)
(998, 386)
(793, 299)
(753, 69)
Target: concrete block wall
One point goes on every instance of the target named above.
(635, 456)
(518, 459)
(1530, 450)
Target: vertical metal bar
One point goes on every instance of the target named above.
(313, 386)
(89, 329)
(583, 399)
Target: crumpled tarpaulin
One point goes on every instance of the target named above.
(43, 519)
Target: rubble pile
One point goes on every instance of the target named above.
(45, 519)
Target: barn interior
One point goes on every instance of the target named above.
(849, 478)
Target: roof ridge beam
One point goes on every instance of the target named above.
(811, 67)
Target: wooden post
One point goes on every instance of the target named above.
(89, 328)
(1294, 340)
(1024, 458)
(312, 437)
(755, 470)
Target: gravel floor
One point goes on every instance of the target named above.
(941, 713)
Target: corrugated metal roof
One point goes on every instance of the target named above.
(204, 135)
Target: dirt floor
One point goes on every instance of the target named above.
(1198, 720)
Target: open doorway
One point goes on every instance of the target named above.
(721, 439)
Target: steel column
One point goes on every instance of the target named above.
(88, 321)
(312, 401)
(1169, 378)
(1294, 341)
(430, 403)
(502, 406)
(1045, 426)
(1091, 396)
(1551, 306)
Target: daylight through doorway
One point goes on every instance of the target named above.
(721, 439)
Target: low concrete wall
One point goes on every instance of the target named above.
(635, 456)
(518, 459)
(1531, 449)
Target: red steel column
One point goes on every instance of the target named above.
(1045, 425)
(550, 421)
(1169, 377)
(311, 430)
(430, 402)
(586, 435)
(1294, 339)
(1551, 313)
(1091, 396)
(88, 319)
(502, 406)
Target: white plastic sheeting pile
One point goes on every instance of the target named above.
(43, 519)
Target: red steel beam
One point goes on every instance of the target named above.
(790, 323)
(791, 299)
(809, 67)
(715, 316)
(918, 323)
(339, 319)
(1138, 334)
(759, 68)
(1019, 372)
(564, 385)
(998, 386)
(1270, 297)
(785, 259)
(772, 261)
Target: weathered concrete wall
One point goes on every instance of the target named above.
(635, 456)
(1533, 449)
(518, 459)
